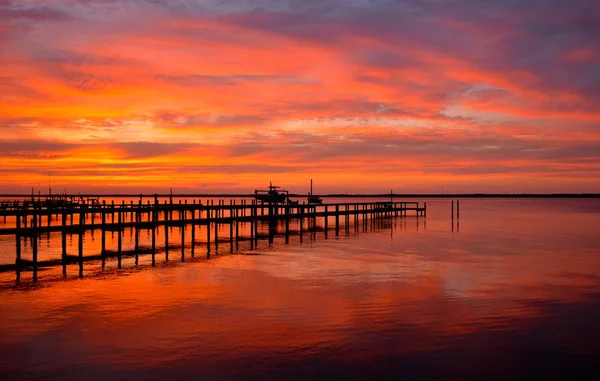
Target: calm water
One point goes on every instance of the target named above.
(513, 292)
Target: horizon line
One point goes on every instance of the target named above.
(330, 195)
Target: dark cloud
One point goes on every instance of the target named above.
(17, 11)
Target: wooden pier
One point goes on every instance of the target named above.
(29, 220)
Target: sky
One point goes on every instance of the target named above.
(423, 96)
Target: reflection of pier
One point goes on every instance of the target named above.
(32, 220)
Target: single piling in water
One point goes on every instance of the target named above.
(18, 248)
(119, 237)
(35, 244)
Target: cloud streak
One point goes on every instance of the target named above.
(406, 94)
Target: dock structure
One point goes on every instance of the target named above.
(29, 221)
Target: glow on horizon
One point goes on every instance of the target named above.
(360, 96)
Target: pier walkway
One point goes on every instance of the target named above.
(29, 220)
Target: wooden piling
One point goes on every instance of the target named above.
(207, 231)
(35, 243)
(119, 236)
(153, 241)
(18, 248)
(231, 226)
(80, 246)
(137, 232)
(252, 232)
(103, 238)
(193, 232)
(337, 220)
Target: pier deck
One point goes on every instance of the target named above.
(30, 220)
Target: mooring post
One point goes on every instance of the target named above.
(207, 230)
(231, 203)
(103, 238)
(154, 227)
(168, 216)
(237, 225)
(120, 233)
(193, 232)
(80, 246)
(337, 219)
(301, 213)
(137, 230)
(252, 232)
(35, 243)
(457, 209)
(64, 242)
(18, 242)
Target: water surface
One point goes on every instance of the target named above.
(511, 290)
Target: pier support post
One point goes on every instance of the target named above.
(80, 247)
(252, 232)
(138, 218)
(154, 227)
(337, 220)
(103, 238)
(64, 243)
(35, 243)
(231, 226)
(254, 213)
(119, 236)
(168, 216)
(18, 242)
(207, 231)
(301, 223)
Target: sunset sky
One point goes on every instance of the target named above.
(359, 95)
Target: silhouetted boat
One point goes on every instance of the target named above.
(311, 198)
(274, 195)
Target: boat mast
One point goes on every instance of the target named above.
(311, 187)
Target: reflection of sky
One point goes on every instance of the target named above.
(516, 269)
